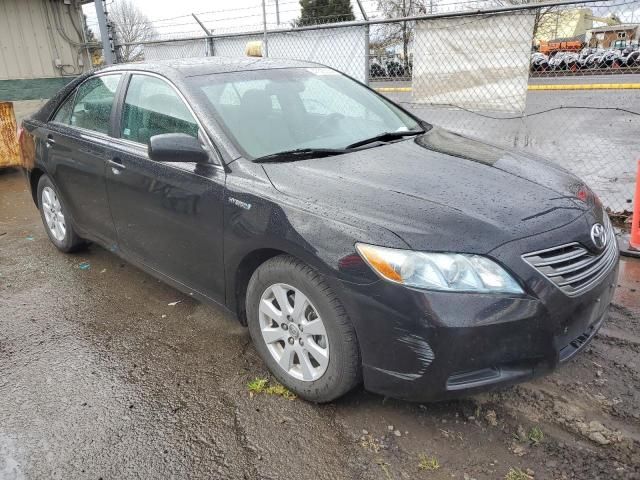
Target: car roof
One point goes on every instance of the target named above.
(176, 70)
(191, 67)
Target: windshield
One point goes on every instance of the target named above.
(278, 110)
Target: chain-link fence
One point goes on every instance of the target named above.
(559, 79)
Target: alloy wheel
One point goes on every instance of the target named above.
(294, 332)
(53, 214)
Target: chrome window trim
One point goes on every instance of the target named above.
(133, 72)
(218, 163)
(75, 93)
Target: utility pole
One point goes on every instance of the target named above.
(265, 43)
(277, 13)
(107, 47)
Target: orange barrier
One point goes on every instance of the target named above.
(634, 241)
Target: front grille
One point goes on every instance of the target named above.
(573, 268)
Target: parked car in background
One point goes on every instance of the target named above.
(377, 71)
(587, 59)
(539, 62)
(630, 56)
(609, 59)
(395, 69)
(564, 61)
(336, 225)
(633, 59)
(583, 57)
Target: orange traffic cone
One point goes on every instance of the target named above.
(634, 241)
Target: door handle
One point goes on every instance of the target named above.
(50, 141)
(116, 165)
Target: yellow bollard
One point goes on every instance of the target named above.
(9, 149)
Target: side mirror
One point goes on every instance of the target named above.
(176, 147)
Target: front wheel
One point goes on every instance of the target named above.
(301, 330)
(55, 217)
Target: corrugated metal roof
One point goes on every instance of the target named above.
(615, 28)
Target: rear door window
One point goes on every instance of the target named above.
(63, 115)
(93, 103)
(152, 107)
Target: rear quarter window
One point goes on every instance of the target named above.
(92, 104)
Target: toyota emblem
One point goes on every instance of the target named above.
(599, 235)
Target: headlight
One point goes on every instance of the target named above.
(452, 272)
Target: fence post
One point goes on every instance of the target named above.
(366, 42)
(366, 54)
(210, 46)
(265, 42)
(101, 11)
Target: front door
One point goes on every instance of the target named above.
(168, 215)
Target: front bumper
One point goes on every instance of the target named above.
(425, 346)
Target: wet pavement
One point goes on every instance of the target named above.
(100, 377)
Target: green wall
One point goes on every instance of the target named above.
(31, 89)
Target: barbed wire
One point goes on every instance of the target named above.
(221, 22)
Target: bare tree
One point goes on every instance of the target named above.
(542, 14)
(394, 33)
(131, 26)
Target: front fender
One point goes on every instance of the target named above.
(258, 217)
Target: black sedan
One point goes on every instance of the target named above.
(357, 242)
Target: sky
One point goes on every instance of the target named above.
(172, 19)
(221, 16)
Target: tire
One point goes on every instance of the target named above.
(60, 231)
(323, 379)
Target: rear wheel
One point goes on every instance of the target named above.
(301, 330)
(55, 217)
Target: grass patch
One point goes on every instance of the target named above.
(257, 385)
(517, 474)
(535, 435)
(261, 385)
(280, 391)
(428, 463)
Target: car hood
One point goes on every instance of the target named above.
(439, 191)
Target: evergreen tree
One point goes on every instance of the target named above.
(315, 12)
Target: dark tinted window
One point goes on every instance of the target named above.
(152, 107)
(94, 99)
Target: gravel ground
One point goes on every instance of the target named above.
(100, 377)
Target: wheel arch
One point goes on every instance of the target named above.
(34, 177)
(238, 277)
(243, 273)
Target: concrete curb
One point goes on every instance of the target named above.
(587, 86)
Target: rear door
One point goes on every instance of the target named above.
(77, 142)
(168, 215)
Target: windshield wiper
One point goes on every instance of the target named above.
(304, 153)
(299, 154)
(384, 137)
